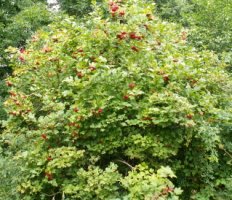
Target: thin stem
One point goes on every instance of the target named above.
(126, 163)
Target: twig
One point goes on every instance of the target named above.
(124, 162)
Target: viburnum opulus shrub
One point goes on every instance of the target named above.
(101, 109)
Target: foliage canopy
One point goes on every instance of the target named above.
(98, 107)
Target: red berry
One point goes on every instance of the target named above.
(79, 74)
(131, 85)
(80, 50)
(49, 158)
(189, 116)
(119, 36)
(122, 13)
(125, 97)
(9, 84)
(166, 78)
(49, 176)
(100, 110)
(134, 48)
(12, 93)
(133, 35)
(114, 7)
(44, 136)
(21, 58)
(75, 109)
(22, 50)
(122, 35)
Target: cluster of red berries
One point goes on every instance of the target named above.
(134, 48)
(127, 96)
(21, 57)
(75, 109)
(19, 113)
(17, 100)
(131, 85)
(97, 112)
(49, 158)
(122, 35)
(73, 124)
(22, 50)
(166, 78)
(132, 35)
(44, 136)
(49, 176)
(80, 75)
(114, 9)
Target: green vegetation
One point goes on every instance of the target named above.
(76, 7)
(116, 103)
(18, 21)
(209, 23)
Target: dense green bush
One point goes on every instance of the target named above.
(18, 21)
(210, 23)
(26, 23)
(3, 95)
(17, 28)
(11, 8)
(97, 108)
(174, 10)
(77, 7)
(10, 177)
